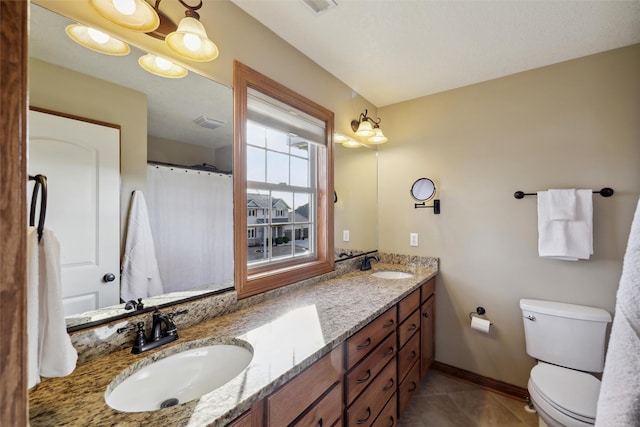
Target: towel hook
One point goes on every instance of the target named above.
(40, 181)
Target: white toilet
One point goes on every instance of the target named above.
(569, 342)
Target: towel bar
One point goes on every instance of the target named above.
(605, 192)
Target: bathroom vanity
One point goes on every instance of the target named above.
(346, 351)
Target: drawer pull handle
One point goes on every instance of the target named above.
(366, 344)
(392, 421)
(413, 327)
(364, 420)
(425, 314)
(390, 386)
(412, 355)
(389, 353)
(388, 324)
(320, 422)
(365, 379)
(413, 386)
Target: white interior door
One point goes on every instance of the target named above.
(81, 161)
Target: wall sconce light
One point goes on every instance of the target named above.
(188, 39)
(96, 40)
(368, 128)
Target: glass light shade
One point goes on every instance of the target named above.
(364, 129)
(378, 137)
(96, 40)
(339, 139)
(350, 143)
(161, 67)
(190, 41)
(136, 15)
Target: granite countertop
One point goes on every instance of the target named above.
(288, 333)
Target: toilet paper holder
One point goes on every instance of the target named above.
(480, 311)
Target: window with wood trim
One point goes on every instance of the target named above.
(283, 175)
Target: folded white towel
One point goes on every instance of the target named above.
(140, 275)
(562, 205)
(50, 352)
(619, 399)
(566, 240)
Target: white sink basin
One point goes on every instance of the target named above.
(178, 378)
(392, 275)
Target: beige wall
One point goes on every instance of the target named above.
(66, 91)
(574, 124)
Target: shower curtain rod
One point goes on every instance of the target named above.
(204, 167)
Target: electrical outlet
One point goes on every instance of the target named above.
(345, 235)
(413, 239)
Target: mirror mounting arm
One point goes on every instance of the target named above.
(435, 206)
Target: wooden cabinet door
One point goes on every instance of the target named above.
(427, 318)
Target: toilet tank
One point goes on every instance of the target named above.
(568, 335)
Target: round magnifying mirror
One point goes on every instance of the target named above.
(423, 189)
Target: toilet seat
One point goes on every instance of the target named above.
(568, 395)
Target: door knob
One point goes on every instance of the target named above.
(109, 277)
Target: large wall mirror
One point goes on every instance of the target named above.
(157, 127)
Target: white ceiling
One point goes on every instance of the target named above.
(394, 50)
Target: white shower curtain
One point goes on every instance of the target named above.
(191, 216)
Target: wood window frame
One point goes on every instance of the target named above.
(247, 282)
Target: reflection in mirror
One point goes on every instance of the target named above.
(423, 189)
(356, 208)
(186, 122)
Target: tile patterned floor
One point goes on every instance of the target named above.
(444, 401)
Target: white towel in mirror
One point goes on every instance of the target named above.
(49, 349)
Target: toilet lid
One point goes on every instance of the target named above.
(573, 392)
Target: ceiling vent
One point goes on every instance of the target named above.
(320, 6)
(209, 123)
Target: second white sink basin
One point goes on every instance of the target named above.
(179, 378)
(392, 275)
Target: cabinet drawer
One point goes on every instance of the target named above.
(428, 289)
(408, 305)
(408, 356)
(408, 328)
(388, 416)
(366, 408)
(408, 388)
(362, 342)
(284, 405)
(326, 412)
(364, 372)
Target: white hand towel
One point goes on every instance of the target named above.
(140, 274)
(50, 352)
(562, 205)
(619, 399)
(33, 308)
(58, 357)
(566, 240)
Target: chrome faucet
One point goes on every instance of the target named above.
(366, 262)
(163, 331)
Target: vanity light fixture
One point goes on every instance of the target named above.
(96, 40)
(369, 129)
(136, 15)
(190, 38)
(161, 67)
(187, 39)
